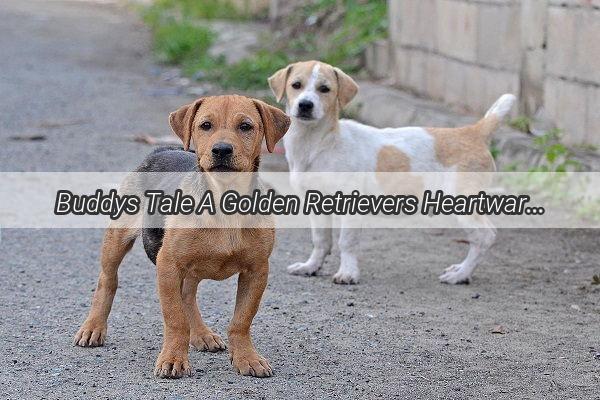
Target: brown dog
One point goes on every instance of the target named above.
(227, 132)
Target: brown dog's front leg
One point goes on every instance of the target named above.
(201, 336)
(117, 242)
(243, 355)
(173, 361)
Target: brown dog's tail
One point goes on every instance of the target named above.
(490, 122)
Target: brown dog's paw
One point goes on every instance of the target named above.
(207, 341)
(174, 366)
(91, 334)
(251, 364)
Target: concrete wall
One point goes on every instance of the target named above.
(468, 52)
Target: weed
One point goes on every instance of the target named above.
(495, 151)
(251, 72)
(557, 157)
(180, 42)
(354, 24)
(198, 9)
(521, 123)
(179, 39)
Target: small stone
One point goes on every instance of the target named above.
(475, 296)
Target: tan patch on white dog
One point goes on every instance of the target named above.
(392, 159)
(465, 148)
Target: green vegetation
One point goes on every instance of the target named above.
(335, 31)
(551, 180)
(249, 73)
(197, 9)
(557, 157)
(521, 123)
(180, 43)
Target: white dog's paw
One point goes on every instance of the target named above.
(303, 268)
(345, 278)
(455, 274)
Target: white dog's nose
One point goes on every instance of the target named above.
(306, 105)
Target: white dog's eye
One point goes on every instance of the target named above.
(324, 89)
(206, 126)
(296, 85)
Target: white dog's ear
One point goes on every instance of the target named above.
(274, 121)
(182, 121)
(278, 80)
(347, 88)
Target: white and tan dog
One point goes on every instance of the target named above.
(318, 141)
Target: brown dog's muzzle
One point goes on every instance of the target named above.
(222, 157)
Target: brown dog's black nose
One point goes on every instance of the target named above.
(306, 105)
(222, 150)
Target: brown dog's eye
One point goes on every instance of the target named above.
(206, 126)
(296, 85)
(324, 89)
(245, 127)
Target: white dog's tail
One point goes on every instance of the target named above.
(490, 122)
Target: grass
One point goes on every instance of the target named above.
(354, 25)
(181, 42)
(180, 39)
(198, 9)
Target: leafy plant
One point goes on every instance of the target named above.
(556, 156)
(521, 123)
(338, 31)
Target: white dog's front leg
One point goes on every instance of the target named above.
(322, 242)
(350, 249)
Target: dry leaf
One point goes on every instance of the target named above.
(147, 139)
(464, 241)
(499, 329)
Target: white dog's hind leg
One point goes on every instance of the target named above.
(350, 249)
(322, 242)
(481, 235)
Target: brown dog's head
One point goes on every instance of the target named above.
(313, 89)
(228, 130)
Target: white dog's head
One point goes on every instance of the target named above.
(314, 90)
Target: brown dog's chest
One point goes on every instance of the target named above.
(218, 253)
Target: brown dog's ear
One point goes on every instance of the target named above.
(347, 88)
(275, 123)
(278, 80)
(182, 121)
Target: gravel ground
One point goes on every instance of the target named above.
(80, 74)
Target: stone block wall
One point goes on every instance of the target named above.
(468, 52)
